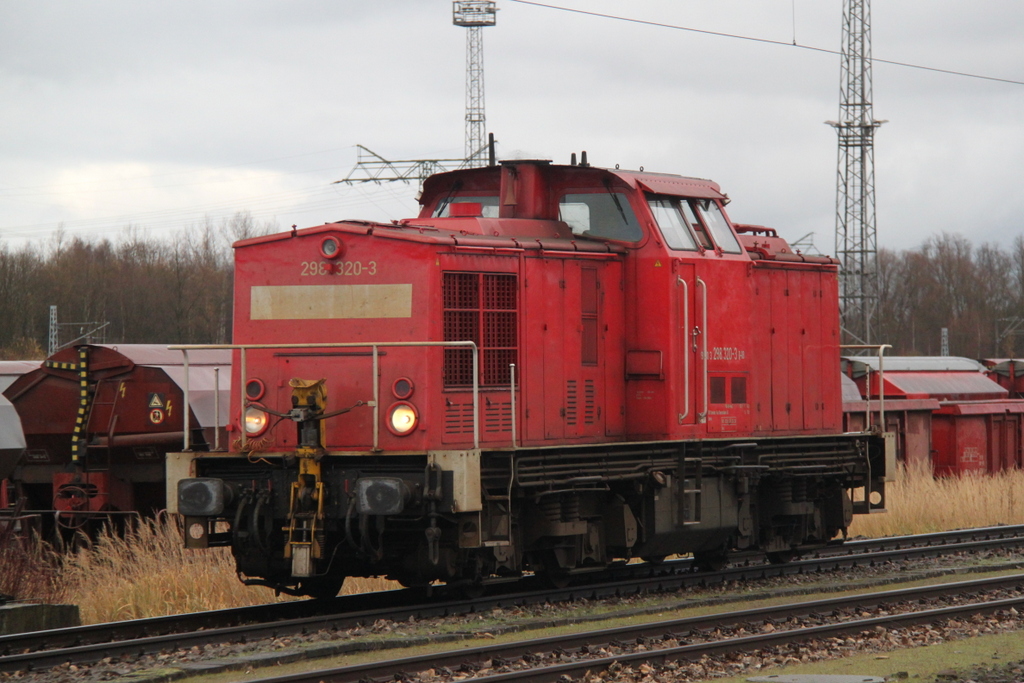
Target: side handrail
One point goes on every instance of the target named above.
(686, 354)
(375, 346)
(702, 417)
(867, 382)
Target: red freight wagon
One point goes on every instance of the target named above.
(946, 378)
(977, 437)
(910, 420)
(1008, 372)
(549, 368)
(98, 420)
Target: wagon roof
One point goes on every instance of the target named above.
(850, 390)
(913, 364)
(11, 370)
(11, 437)
(1005, 366)
(948, 385)
(994, 407)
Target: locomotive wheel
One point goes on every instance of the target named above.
(710, 561)
(472, 590)
(322, 587)
(558, 578)
(782, 556)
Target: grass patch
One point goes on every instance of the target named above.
(919, 503)
(28, 567)
(920, 664)
(143, 572)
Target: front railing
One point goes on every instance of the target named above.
(375, 402)
(867, 382)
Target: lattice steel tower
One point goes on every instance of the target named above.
(474, 15)
(856, 241)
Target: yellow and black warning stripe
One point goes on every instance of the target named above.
(60, 366)
(78, 437)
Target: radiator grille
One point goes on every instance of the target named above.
(482, 308)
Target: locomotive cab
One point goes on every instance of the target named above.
(550, 369)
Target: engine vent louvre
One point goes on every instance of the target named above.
(497, 416)
(589, 402)
(458, 418)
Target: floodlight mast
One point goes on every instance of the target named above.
(856, 232)
(474, 15)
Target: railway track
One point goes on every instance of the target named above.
(543, 659)
(40, 650)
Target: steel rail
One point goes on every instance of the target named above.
(678, 629)
(91, 643)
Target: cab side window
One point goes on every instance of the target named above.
(719, 227)
(488, 205)
(698, 228)
(605, 215)
(670, 221)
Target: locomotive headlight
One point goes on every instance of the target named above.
(255, 421)
(402, 418)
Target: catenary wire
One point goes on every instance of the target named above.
(768, 41)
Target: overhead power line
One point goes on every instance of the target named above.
(768, 41)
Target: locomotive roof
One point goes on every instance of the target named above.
(658, 183)
(517, 233)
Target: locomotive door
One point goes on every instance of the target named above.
(583, 349)
(566, 301)
(688, 342)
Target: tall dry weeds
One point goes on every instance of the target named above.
(918, 503)
(146, 571)
(29, 567)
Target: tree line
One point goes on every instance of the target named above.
(178, 291)
(135, 288)
(976, 293)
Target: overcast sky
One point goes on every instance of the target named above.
(165, 114)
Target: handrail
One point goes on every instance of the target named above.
(686, 352)
(216, 409)
(867, 382)
(703, 416)
(512, 393)
(242, 348)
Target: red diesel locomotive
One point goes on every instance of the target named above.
(551, 369)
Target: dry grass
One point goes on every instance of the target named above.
(28, 567)
(148, 572)
(918, 503)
